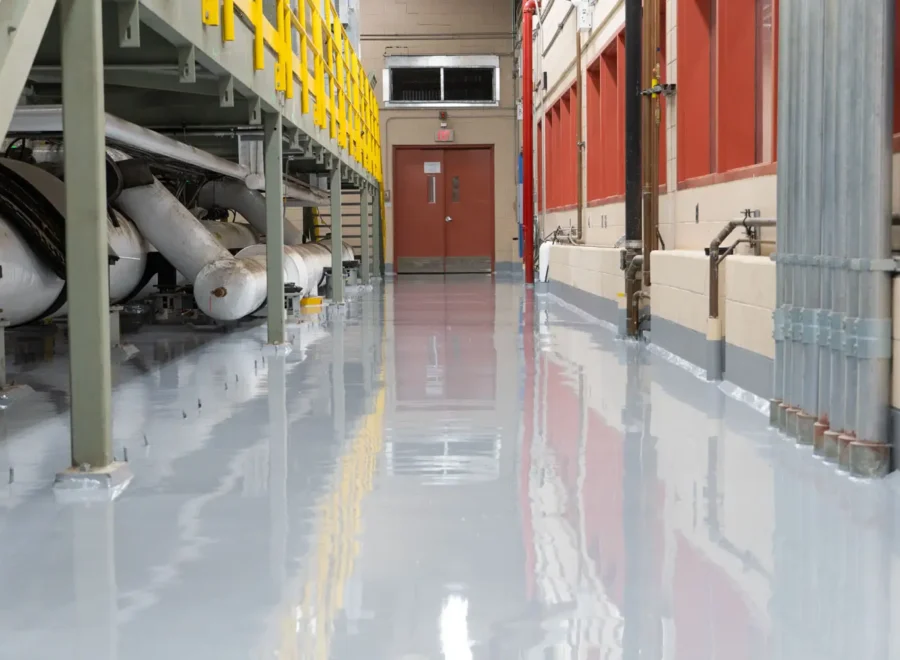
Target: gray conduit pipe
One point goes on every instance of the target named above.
(856, 145)
(831, 99)
(845, 140)
(870, 450)
(776, 404)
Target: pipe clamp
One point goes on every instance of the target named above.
(797, 323)
(872, 265)
(810, 325)
(824, 327)
(837, 331)
(778, 324)
(873, 339)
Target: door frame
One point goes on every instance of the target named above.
(447, 147)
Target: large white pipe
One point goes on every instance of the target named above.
(131, 248)
(232, 235)
(249, 204)
(47, 119)
(28, 287)
(171, 228)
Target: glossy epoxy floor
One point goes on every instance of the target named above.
(455, 470)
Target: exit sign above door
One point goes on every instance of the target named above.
(445, 135)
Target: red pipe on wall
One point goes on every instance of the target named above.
(528, 12)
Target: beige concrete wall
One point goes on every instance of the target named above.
(591, 269)
(749, 304)
(461, 27)
(681, 288)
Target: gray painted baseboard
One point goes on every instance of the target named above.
(683, 342)
(746, 369)
(749, 370)
(508, 268)
(597, 306)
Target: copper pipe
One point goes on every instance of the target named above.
(650, 117)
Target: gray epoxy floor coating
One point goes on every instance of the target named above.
(455, 470)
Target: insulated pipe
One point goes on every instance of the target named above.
(794, 354)
(171, 228)
(857, 160)
(28, 287)
(225, 288)
(528, 12)
(813, 170)
(778, 404)
(830, 98)
(43, 119)
(844, 139)
(250, 204)
(232, 235)
(870, 454)
(233, 288)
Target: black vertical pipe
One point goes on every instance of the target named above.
(633, 45)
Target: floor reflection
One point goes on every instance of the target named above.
(449, 468)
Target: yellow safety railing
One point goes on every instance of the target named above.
(334, 82)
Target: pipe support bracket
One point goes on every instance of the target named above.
(867, 339)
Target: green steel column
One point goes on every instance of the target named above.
(377, 260)
(337, 239)
(272, 147)
(87, 252)
(364, 234)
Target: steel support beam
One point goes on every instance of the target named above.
(272, 146)
(87, 255)
(22, 25)
(337, 239)
(364, 261)
(377, 257)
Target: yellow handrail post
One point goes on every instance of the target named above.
(210, 10)
(259, 44)
(280, 64)
(304, 59)
(228, 20)
(288, 51)
(321, 99)
(341, 79)
(332, 80)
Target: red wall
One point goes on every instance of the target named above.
(736, 93)
(694, 88)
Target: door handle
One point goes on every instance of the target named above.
(448, 219)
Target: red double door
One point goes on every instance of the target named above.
(443, 210)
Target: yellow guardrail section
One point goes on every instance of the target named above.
(324, 70)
